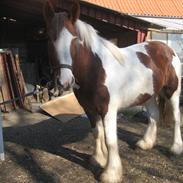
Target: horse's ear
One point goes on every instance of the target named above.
(48, 11)
(75, 11)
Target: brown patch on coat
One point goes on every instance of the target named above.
(70, 27)
(93, 95)
(72, 17)
(157, 73)
(159, 60)
(54, 26)
(48, 11)
(54, 23)
(87, 68)
(75, 11)
(141, 99)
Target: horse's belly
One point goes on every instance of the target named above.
(134, 100)
(131, 87)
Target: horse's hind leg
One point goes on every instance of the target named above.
(177, 147)
(99, 156)
(149, 139)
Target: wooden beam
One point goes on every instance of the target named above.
(2, 158)
(23, 11)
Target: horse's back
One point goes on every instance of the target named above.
(158, 57)
(148, 68)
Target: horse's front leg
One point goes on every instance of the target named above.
(99, 156)
(113, 170)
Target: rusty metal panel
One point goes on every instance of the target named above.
(141, 36)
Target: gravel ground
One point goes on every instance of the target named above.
(39, 149)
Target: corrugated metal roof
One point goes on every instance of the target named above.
(169, 24)
(160, 8)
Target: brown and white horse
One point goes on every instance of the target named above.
(109, 78)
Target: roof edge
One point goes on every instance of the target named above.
(156, 16)
(151, 25)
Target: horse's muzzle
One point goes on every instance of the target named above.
(67, 85)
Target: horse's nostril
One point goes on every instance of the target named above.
(60, 84)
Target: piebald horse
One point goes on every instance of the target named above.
(109, 78)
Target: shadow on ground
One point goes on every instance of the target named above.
(49, 136)
(52, 152)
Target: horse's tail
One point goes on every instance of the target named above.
(165, 105)
(165, 111)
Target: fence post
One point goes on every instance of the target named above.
(1, 140)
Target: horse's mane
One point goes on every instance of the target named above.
(90, 36)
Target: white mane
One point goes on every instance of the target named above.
(90, 36)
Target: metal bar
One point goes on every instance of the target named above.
(18, 98)
(1, 140)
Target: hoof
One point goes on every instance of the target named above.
(111, 176)
(177, 149)
(143, 144)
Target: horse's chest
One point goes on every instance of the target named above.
(90, 76)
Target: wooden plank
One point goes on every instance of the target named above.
(1, 140)
(5, 93)
(2, 99)
(9, 79)
(63, 108)
(20, 79)
(21, 84)
(14, 75)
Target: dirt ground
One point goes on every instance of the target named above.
(40, 149)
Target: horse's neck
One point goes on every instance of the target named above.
(96, 43)
(116, 52)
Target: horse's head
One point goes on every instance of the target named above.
(61, 30)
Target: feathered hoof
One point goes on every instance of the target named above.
(177, 149)
(145, 145)
(111, 176)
